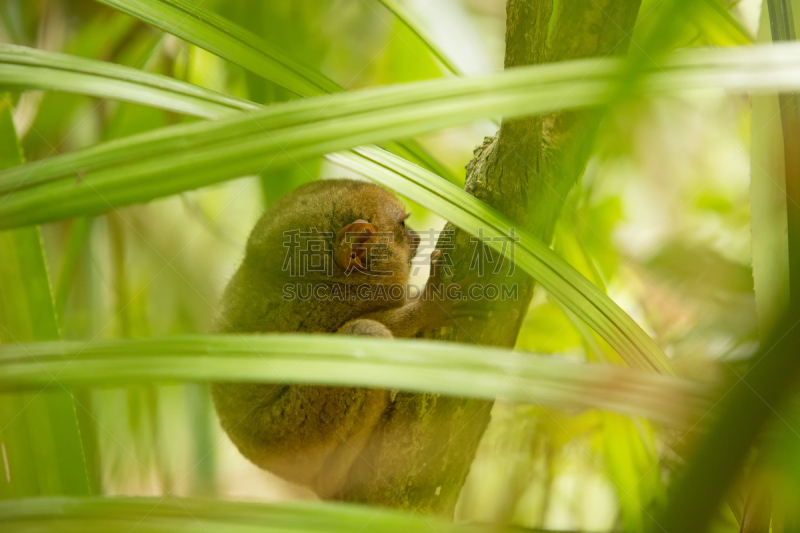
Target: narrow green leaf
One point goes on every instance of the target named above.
(28, 68)
(123, 515)
(402, 13)
(713, 19)
(206, 29)
(413, 365)
(79, 233)
(10, 151)
(622, 332)
(27, 311)
(39, 437)
(23, 68)
(782, 24)
(222, 37)
(174, 159)
(178, 158)
(768, 217)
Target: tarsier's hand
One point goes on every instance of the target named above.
(435, 280)
(445, 303)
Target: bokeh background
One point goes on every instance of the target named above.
(661, 221)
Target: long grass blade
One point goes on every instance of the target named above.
(112, 515)
(28, 68)
(222, 37)
(412, 365)
(40, 441)
(422, 183)
(403, 15)
(175, 159)
(204, 28)
(782, 25)
(182, 157)
(178, 158)
(713, 19)
(768, 207)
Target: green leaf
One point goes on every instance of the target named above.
(409, 21)
(631, 461)
(230, 41)
(94, 195)
(668, 28)
(222, 37)
(78, 235)
(28, 68)
(174, 159)
(179, 158)
(111, 515)
(183, 157)
(714, 20)
(768, 217)
(146, 166)
(412, 365)
(402, 13)
(171, 160)
(39, 436)
(10, 151)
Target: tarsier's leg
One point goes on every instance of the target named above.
(366, 408)
(307, 434)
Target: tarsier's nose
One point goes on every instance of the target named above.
(413, 241)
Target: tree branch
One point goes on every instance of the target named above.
(420, 455)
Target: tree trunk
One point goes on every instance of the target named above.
(421, 453)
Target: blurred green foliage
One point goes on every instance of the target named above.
(665, 221)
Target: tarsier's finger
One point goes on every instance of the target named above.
(436, 264)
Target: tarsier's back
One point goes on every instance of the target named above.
(313, 435)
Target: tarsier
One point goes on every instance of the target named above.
(312, 435)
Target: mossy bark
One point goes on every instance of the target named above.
(421, 453)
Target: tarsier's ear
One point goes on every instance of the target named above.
(351, 249)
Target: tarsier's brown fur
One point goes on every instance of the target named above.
(313, 435)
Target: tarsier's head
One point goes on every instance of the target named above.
(347, 230)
